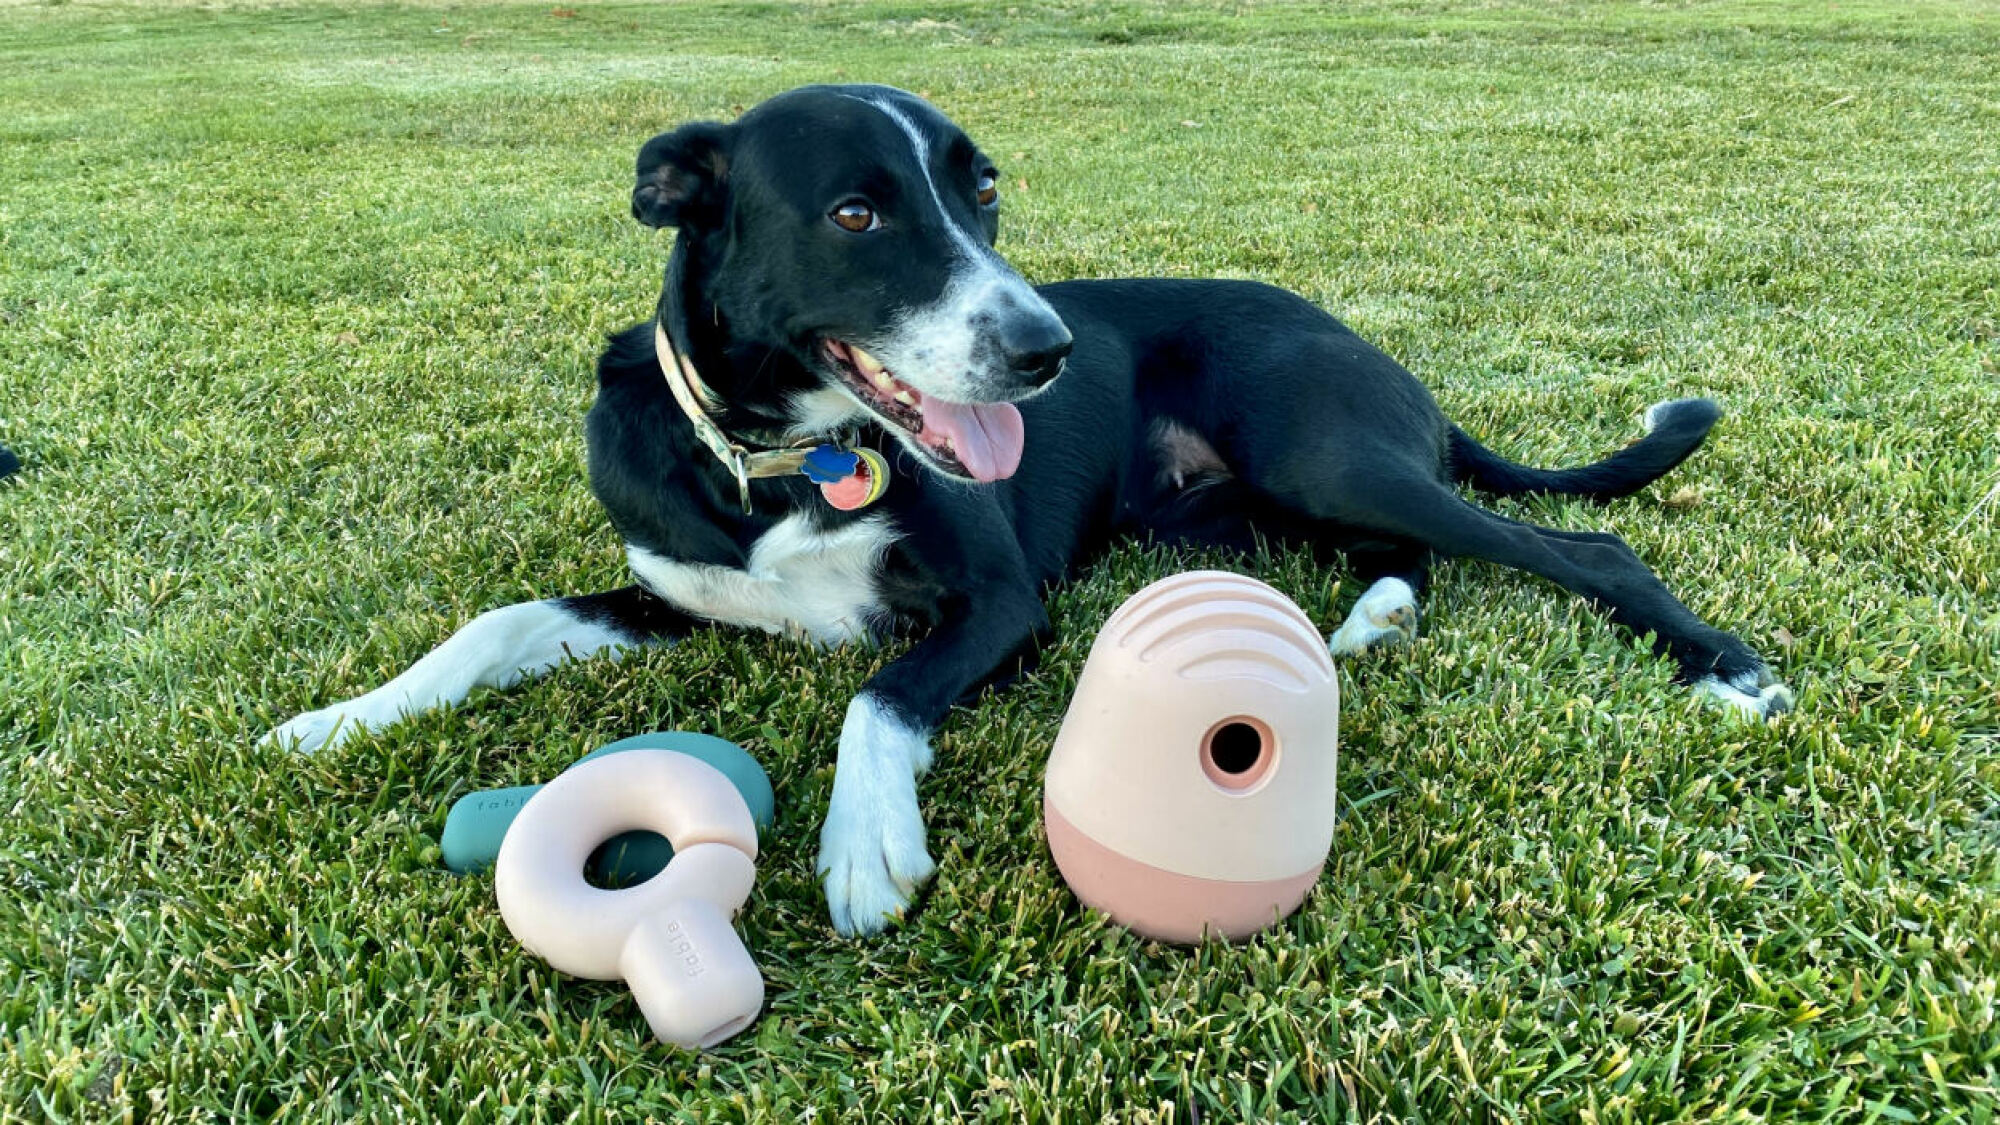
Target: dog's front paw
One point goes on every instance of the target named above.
(872, 858)
(1385, 615)
(323, 729)
(872, 871)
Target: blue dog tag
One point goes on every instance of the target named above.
(826, 464)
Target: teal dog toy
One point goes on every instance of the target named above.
(478, 821)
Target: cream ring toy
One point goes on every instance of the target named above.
(669, 937)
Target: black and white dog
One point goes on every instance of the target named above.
(834, 281)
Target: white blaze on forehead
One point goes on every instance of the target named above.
(974, 250)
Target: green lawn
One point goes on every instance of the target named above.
(298, 305)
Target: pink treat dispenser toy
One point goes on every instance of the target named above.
(1191, 788)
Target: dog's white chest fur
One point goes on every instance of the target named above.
(821, 584)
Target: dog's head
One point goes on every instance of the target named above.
(851, 228)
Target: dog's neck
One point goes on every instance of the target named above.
(694, 322)
(688, 323)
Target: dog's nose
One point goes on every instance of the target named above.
(1034, 347)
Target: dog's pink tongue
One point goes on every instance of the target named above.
(987, 437)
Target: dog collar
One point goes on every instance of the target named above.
(847, 478)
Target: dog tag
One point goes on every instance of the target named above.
(862, 487)
(827, 464)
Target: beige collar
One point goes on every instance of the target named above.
(696, 400)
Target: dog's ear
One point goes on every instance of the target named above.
(683, 176)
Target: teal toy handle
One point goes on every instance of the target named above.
(478, 821)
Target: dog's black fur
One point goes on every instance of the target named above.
(1205, 411)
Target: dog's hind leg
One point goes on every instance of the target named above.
(1386, 613)
(1596, 565)
(498, 649)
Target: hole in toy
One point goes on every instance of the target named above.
(1236, 747)
(1238, 753)
(627, 860)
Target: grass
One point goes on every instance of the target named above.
(297, 309)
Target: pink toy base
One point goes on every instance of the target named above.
(1161, 905)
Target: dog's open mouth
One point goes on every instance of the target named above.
(978, 440)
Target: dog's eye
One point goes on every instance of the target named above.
(856, 216)
(989, 187)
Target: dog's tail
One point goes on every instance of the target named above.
(1673, 430)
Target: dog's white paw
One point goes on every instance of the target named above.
(324, 729)
(1385, 615)
(1755, 694)
(872, 859)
